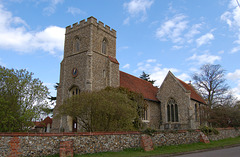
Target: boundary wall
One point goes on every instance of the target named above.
(41, 144)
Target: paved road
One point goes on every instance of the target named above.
(227, 152)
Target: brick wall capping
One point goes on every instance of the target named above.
(13, 134)
(229, 128)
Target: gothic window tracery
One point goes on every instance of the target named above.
(172, 111)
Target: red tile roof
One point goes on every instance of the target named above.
(43, 123)
(112, 59)
(138, 85)
(194, 95)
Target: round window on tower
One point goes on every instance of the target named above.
(74, 72)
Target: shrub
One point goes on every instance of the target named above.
(149, 131)
(209, 130)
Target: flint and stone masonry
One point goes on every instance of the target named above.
(38, 144)
(89, 64)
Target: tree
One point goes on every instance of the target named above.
(111, 109)
(146, 77)
(21, 99)
(223, 116)
(211, 83)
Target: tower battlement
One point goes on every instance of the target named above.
(91, 20)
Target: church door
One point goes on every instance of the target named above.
(74, 129)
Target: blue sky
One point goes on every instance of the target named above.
(154, 36)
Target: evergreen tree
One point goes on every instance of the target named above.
(146, 77)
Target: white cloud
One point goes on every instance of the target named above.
(126, 21)
(74, 11)
(50, 9)
(235, 49)
(177, 47)
(203, 59)
(50, 39)
(137, 8)
(178, 30)
(205, 39)
(232, 18)
(15, 36)
(126, 66)
(235, 75)
(172, 29)
(236, 91)
(194, 30)
(227, 18)
(184, 77)
(221, 52)
(155, 70)
(159, 74)
(151, 60)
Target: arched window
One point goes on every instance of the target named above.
(196, 112)
(77, 45)
(145, 116)
(104, 46)
(172, 111)
(74, 91)
(74, 125)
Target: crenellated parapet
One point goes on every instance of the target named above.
(91, 20)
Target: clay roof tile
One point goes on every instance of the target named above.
(112, 59)
(43, 123)
(194, 95)
(138, 85)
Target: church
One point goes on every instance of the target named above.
(90, 64)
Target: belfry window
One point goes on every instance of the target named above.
(172, 111)
(77, 45)
(104, 46)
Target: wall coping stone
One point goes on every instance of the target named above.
(13, 134)
(67, 133)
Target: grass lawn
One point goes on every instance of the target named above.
(165, 149)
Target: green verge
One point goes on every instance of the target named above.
(137, 152)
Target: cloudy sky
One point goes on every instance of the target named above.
(154, 36)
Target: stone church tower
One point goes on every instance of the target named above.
(89, 64)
